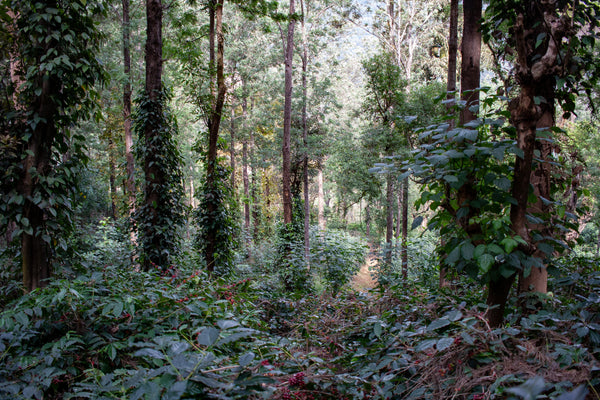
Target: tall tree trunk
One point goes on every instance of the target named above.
(321, 198)
(213, 135)
(452, 52)
(287, 119)
(471, 55)
(130, 186)
(153, 175)
(450, 94)
(305, 134)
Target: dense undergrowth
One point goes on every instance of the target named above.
(117, 333)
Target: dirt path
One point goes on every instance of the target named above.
(363, 279)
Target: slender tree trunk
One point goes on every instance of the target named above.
(213, 135)
(321, 199)
(192, 188)
(305, 135)
(111, 180)
(389, 232)
(287, 119)
(368, 220)
(153, 175)
(405, 229)
(255, 211)
(399, 216)
(245, 177)
(232, 147)
(127, 112)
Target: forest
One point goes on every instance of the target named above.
(300, 199)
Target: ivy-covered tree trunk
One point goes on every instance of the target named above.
(48, 93)
(532, 112)
(35, 251)
(153, 175)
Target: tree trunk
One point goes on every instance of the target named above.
(287, 119)
(153, 175)
(452, 52)
(127, 112)
(471, 55)
(305, 135)
(35, 252)
(111, 180)
(405, 229)
(254, 193)
(213, 135)
(232, 147)
(245, 177)
(321, 199)
(450, 93)
(389, 226)
(368, 220)
(498, 290)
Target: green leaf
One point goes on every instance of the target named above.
(426, 345)
(453, 256)
(467, 250)
(509, 244)
(530, 389)
(417, 222)
(479, 250)
(208, 336)
(437, 324)
(149, 352)
(485, 262)
(246, 359)
(444, 343)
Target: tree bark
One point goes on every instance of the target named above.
(287, 119)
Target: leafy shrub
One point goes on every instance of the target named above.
(121, 333)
